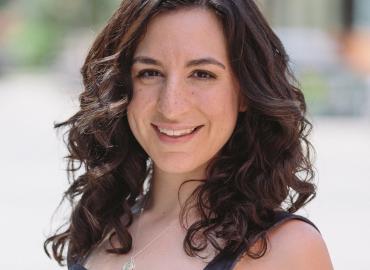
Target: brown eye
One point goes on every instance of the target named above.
(204, 75)
(148, 73)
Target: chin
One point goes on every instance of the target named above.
(177, 166)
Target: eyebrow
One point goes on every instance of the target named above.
(194, 62)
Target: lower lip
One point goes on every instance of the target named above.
(181, 139)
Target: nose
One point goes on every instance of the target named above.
(173, 100)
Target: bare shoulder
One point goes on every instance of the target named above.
(292, 245)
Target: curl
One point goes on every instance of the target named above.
(265, 166)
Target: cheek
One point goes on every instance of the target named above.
(136, 94)
(222, 106)
(222, 112)
(141, 99)
(134, 113)
(131, 119)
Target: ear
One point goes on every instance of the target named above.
(242, 100)
(242, 107)
(242, 103)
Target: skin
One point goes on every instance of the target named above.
(170, 87)
(169, 90)
(293, 245)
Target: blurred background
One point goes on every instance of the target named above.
(42, 47)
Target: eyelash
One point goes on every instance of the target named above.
(141, 74)
(209, 75)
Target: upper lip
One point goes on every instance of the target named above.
(174, 127)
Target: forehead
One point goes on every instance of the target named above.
(190, 32)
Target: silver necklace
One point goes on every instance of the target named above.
(130, 265)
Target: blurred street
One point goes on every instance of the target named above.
(33, 177)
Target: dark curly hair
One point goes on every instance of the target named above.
(265, 165)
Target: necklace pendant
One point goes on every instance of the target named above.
(129, 265)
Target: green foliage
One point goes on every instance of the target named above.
(3, 3)
(44, 24)
(35, 44)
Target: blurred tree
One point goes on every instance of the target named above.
(42, 26)
(3, 2)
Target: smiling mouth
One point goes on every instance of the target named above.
(176, 133)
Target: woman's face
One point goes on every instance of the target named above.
(182, 80)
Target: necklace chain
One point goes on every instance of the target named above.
(130, 265)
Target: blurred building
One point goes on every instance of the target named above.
(329, 45)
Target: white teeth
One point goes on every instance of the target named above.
(171, 132)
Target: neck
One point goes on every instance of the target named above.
(166, 197)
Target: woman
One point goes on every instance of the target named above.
(195, 98)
